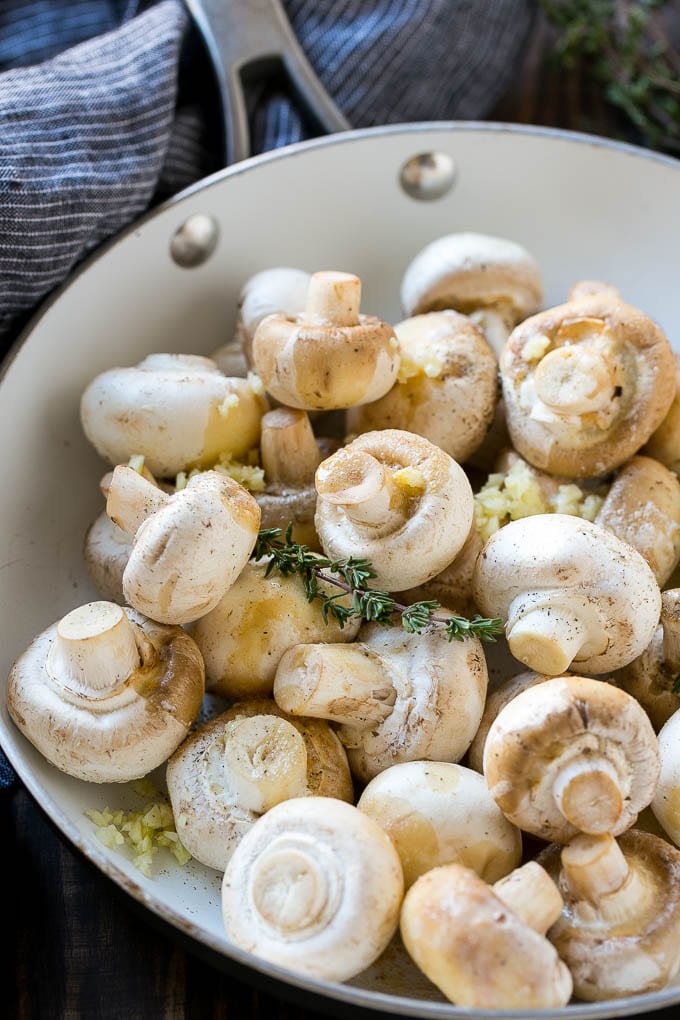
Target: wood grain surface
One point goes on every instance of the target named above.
(77, 947)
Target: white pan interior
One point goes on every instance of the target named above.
(584, 208)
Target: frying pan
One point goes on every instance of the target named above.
(584, 206)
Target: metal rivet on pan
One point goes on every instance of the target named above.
(428, 175)
(194, 242)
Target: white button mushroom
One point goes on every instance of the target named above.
(188, 548)
(329, 356)
(585, 385)
(494, 281)
(438, 813)
(447, 386)
(453, 586)
(485, 947)
(666, 803)
(177, 410)
(398, 697)
(571, 754)
(570, 592)
(643, 508)
(619, 933)
(315, 887)
(258, 619)
(651, 677)
(278, 291)
(106, 695)
(106, 553)
(107, 547)
(237, 766)
(497, 700)
(397, 500)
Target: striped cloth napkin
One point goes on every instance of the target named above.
(107, 106)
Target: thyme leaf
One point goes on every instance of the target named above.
(621, 45)
(351, 577)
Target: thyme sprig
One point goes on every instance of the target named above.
(351, 577)
(675, 689)
(620, 43)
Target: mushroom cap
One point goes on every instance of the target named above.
(453, 586)
(281, 291)
(446, 389)
(124, 734)
(666, 803)
(643, 508)
(209, 818)
(581, 578)
(177, 410)
(475, 949)
(664, 443)
(413, 550)
(315, 363)
(440, 690)
(497, 700)
(472, 271)
(258, 619)
(546, 729)
(439, 813)
(650, 681)
(106, 553)
(629, 360)
(316, 887)
(187, 554)
(642, 952)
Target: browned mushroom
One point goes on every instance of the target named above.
(585, 385)
(572, 755)
(651, 677)
(619, 932)
(485, 947)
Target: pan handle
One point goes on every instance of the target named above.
(247, 38)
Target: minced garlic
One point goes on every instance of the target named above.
(249, 474)
(410, 480)
(255, 383)
(144, 831)
(420, 361)
(509, 497)
(535, 347)
(228, 404)
(136, 462)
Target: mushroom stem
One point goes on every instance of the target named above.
(532, 895)
(333, 298)
(358, 482)
(575, 380)
(266, 760)
(496, 324)
(289, 451)
(94, 651)
(670, 621)
(597, 871)
(587, 791)
(594, 866)
(342, 683)
(547, 640)
(131, 499)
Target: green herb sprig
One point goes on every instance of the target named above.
(351, 576)
(620, 43)
(676, 685)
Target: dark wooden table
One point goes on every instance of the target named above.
(80, 950)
